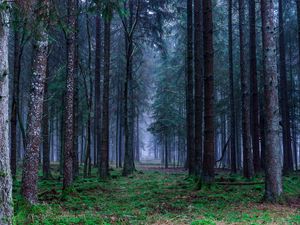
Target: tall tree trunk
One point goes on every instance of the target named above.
(284, 103)
(15, 102)
(246, 132)
(18, 50)
(76, 101)
(45, 130)
(254, 101)
(6, 206)
(208, 173)
(198, 64)
(104, 165)
(190, 91)
(69, 97)
(35, 111)
(293, 103)
(232, 99)
(89, 98)
(273, 188)
(118, 123)
(97, 87)
(129, 166)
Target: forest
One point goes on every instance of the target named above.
(163, 112)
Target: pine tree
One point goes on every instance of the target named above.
(35, 112)
(6, 206)
(208, 173)
(273, 188)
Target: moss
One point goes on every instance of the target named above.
(154, 197)
(3, 174)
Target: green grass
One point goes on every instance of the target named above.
(156, 198)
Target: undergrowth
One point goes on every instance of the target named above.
(157, 198)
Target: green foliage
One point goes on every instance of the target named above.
(155, 197)
(203, 222)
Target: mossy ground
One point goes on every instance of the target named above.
(151, 197)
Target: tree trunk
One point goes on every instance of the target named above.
(89, 98)
(97, 87)
(208, 173)
(6, 206)
(293, 104)
(15, 103)
(254, 102)
(76, 102)
(284, 103)
(104, 165)
(232, 99)
(273, 180)
(69, 97)
(246, 132)
(190, 91)
(198, 64)
(129, 166)
(46, 147)
(35, 111)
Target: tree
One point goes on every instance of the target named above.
(254, 101)
(35, 113)
(97, 86)
(232, 99)
(198, 64)
(247, 153)
(19, 42)
(6, 208)
(208, 172)
(45, 131)
(273, 180)
(284, 103)
(129, 27)
(104, 165)
(69, 96)
(190, 91)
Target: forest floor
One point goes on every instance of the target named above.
(156, 196)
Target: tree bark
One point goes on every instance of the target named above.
(254, 101)
(45, 130)
(284, 103)
(246, 132)
(198, 64)
(35, 111)
(104, 165)
(190, 92)
(273, 180)
(129, 166)
(76, 101)
(208, 173)
(232, 99)
(15, 103)
(6, 206)
(98, 86)
(69, 97)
